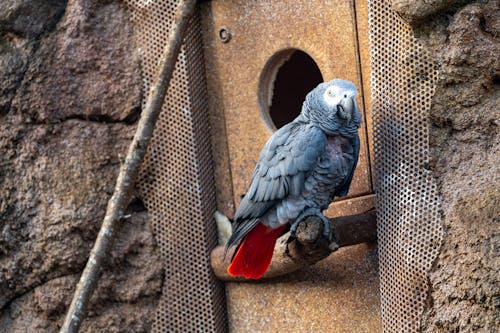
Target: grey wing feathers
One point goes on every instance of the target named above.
(347, 183)
(286, 160)
(290, 154)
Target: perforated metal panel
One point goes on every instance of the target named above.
(177, 179)
(409, 225)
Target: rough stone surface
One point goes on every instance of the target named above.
(12, 67)
(87, 69)
(124, 301)
(68, 102)
(29, 18)
(415, 11)
(464, 282)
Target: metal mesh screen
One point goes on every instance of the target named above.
(177, 179)
(409, 225)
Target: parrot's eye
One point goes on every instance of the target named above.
(330, 93)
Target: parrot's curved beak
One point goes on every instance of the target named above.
(345, 108)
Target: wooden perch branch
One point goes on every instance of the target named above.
(309, 247)
(129, 170)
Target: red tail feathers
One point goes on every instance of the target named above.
(255, 253)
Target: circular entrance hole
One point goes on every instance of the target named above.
(284, 83)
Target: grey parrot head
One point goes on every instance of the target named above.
(332, 105)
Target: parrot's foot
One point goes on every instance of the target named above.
(311, 212)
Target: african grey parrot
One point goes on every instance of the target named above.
(303, 166)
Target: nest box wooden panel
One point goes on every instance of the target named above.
(262, 58)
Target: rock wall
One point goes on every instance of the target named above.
(465, 39)
(70, 93)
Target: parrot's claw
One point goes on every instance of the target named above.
(311, 212)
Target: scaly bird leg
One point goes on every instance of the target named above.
(311, 212)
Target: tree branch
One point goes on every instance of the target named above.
(308, 247)
(129, 170)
